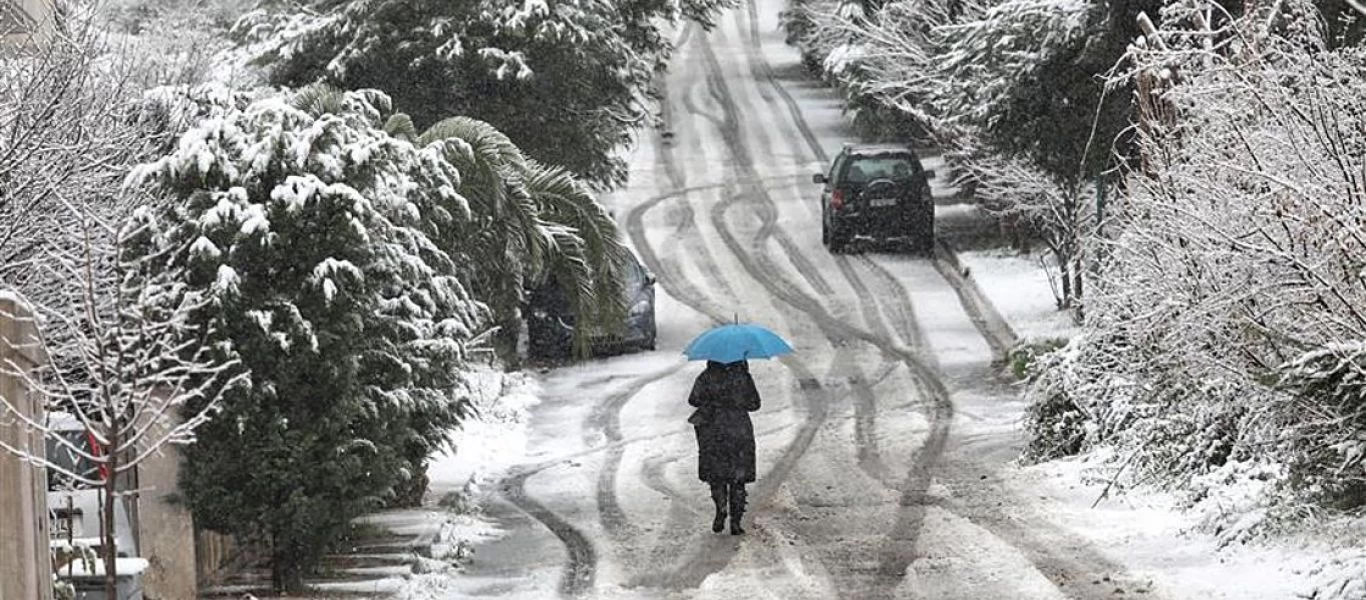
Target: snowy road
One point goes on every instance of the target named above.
(880, 440)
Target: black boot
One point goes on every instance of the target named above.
(737, 507)
(718, 497)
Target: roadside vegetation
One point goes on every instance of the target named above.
(1196, 169)
(348, 239)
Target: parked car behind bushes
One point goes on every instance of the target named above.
(551, 320)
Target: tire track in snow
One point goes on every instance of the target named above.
(698, 572)
(793, 110)
(606, 417)
(898, 552)
(666, 161)
(729, 126)
(580, 569)
(988, 321)
(683, 520)
(714, 553)
(1041, 548)
(680, 518)
(995, 329)
(868, 456)
(813, 398)
(866, 452)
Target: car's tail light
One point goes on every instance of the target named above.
(837, 199)
(98, 451)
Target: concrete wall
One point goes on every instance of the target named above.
(25, 562)
(165, 529)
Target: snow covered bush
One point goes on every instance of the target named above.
(1342, 577)
(1324, 423)
(1225, 325)
(1056, 211)
(326, 246)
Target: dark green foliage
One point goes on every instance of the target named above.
(1024, 356)
(566, 84)
(313, 231)
(1050, 118)
(1327, 436)
(1346, 26)
(1057, 428)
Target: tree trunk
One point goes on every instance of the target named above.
(111, 479)
(1065, 277)
(285, 574)
(1078, 275)
(505, 340)
(277, 574)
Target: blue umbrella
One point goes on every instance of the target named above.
(735, 342)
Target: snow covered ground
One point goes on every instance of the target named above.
(584, 476)
(1164, 547)
(1160, 543)
(1019, 287)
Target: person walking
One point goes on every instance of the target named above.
(724, 394)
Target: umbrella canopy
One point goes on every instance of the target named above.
(736, 342)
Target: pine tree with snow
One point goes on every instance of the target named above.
(315, 233)
(566, 80)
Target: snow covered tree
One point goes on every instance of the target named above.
(318, 238)
(1223, 332)
(125, 356)
(69, 130)
(566, 80)
(1011, 73)
(1007, 90)
(1058, 212)
(72, 122)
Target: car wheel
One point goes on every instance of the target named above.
(839, 243)
(825, 233)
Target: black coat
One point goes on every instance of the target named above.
(724, 395)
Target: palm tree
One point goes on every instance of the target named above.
(529, 224)
(532, 223)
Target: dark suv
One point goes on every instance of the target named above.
(878, 191)
(551, 320)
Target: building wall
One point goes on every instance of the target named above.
(165, 529)
(25, 561)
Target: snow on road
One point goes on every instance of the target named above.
(885, 442)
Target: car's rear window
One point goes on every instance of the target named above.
(863, 169)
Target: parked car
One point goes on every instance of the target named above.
(878, 191)
(551, 319)
(76, 508)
